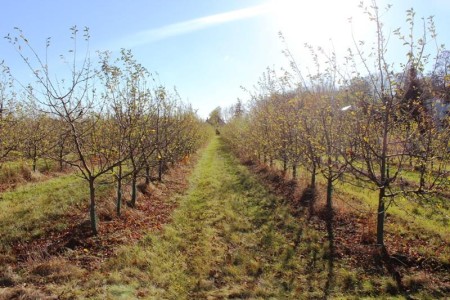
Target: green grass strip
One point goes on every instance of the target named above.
(229, 239)
(36, 208)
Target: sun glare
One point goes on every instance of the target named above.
(319, 22)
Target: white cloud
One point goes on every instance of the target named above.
(156, 34)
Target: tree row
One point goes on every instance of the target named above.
(363, 120)
(111, 117)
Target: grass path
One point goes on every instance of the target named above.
(228, 239)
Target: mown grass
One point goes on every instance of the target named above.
(430, 213)
(426, 217)
(410, 218)
(36, 208)
(20, 171)
(229, 239)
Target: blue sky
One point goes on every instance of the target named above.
(206, 48)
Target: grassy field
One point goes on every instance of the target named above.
(14, 173)
(408, 217)
(229, 238)
(33, 209)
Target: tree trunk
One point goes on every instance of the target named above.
(34, 163)
(330, 213)
(160, 170)
(285, 166)
(92, 212)
(384, 173)
(294, 171)
(422, 176)
(329, 222)
(133, 190)
(34, 158)
(119, 190)
(147, 174)
(380, 216)
(329, 197)
(313, 177)
(60, 158)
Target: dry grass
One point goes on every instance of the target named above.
(53, 270)
(24, 293)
